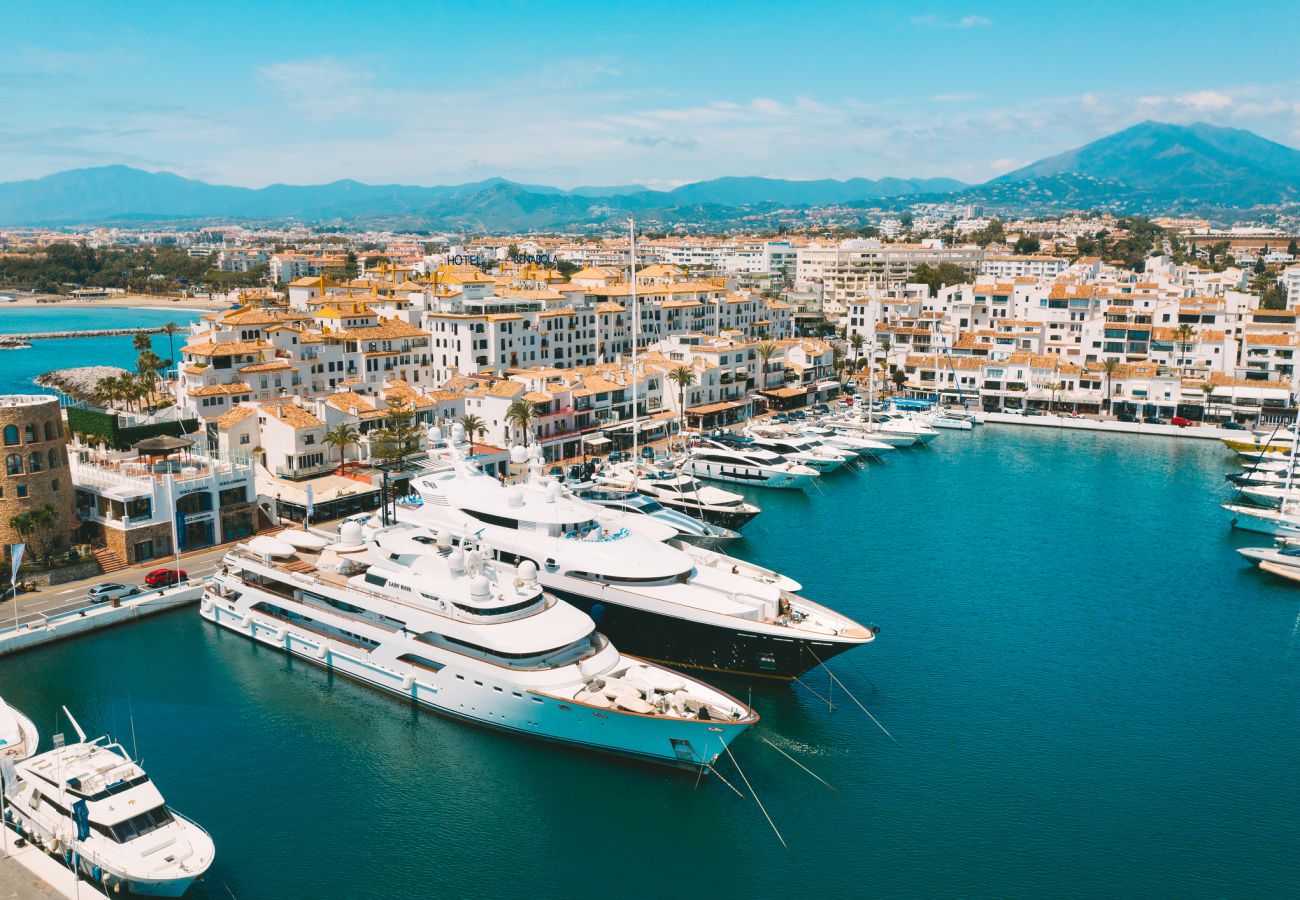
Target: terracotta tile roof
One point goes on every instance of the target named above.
(235, 416)
(218, 390)
(271, 365)
(227, 348)
(291, 414)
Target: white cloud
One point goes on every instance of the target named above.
(930, 20)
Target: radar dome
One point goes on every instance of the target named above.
(528, 570)
(457, 433)
(518, 455)
(480, 588)
(435, 434)
(350, 533)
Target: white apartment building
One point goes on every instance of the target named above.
(243, 259)
(1007, 267)
(855, 268)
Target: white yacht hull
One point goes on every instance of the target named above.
(475, 697)
(1262, 521)
(29, 738)
(53, 837)
(952, 424)
(749, 475)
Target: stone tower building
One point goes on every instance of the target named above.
(34, 469)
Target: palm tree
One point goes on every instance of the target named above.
(473, 425)
(1110, 367)
(171, 329)
(1208, 390)
(1185, 334)
(342, 436)
(683, 377)
(856, 341)
(522, 414)
(1053, 386)
(141, 342)
(766, 350)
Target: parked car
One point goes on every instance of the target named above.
(619, 456)
(1234, 426)
(1181, 422)
(1126, 417)
(111, 590)
(1030, 411)
(1152, 420)
(165, 577)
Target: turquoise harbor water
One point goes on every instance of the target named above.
(1092, 695)
(18, 368)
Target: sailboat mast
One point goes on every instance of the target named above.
(636, 336)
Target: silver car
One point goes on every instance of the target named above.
(110, 590)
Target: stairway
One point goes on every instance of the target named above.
(109, 562)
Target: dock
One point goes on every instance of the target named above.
(28, 635)
(29, 873)
(1203, 432)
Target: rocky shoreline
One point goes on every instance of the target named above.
(80, 382)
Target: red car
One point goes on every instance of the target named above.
(165, 577)
(1181, 422)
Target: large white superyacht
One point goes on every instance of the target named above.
(442, 625)
(662, 600)
(135, 845)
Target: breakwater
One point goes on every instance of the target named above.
(97, 332)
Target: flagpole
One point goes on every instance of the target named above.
(16, 559)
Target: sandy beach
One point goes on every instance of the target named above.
(147, 301)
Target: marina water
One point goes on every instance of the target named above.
(1092, 694)
(19, 368)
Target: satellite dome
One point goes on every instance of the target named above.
(518, 455)
(528, 570)
(457, 433)
(480, 588)
(435, 434)
(350, 533)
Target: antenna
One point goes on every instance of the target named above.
(75, 727)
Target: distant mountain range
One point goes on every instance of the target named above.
(1150, 167)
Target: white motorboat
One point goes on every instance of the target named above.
(683, 492)
(736, 460)
(1283, 555)
(1263, 521)
(803, 450)
(872, 431)
(18, 736)
(666, 601)
(842, 440)
(946, 420)
(1267, 495)
(688, 529)
(136, 845)
(440, 623)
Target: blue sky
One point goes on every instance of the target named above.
(616, 93)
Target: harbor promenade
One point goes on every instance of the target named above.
(1204, 432)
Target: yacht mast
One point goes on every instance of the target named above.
(636, 335)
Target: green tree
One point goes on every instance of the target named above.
(1292, 249)
(1208, 390)
(341, 437)
(473, 425)
(1026, 244)
(522, 413)
(141, 343)
(765, 350)
(1185, 335)
(683, 377)
(171, 329)
(940, 276)
(856, 341)
(399, 439)
(350, 267)
(1054, 387)
(899, 378)
(1109, 367)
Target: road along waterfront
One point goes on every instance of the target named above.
(1087, 686)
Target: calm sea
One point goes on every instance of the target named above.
(18, 368)
(1092, 695)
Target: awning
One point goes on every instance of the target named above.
(711, 408)
(787, 392)
(596, 440)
